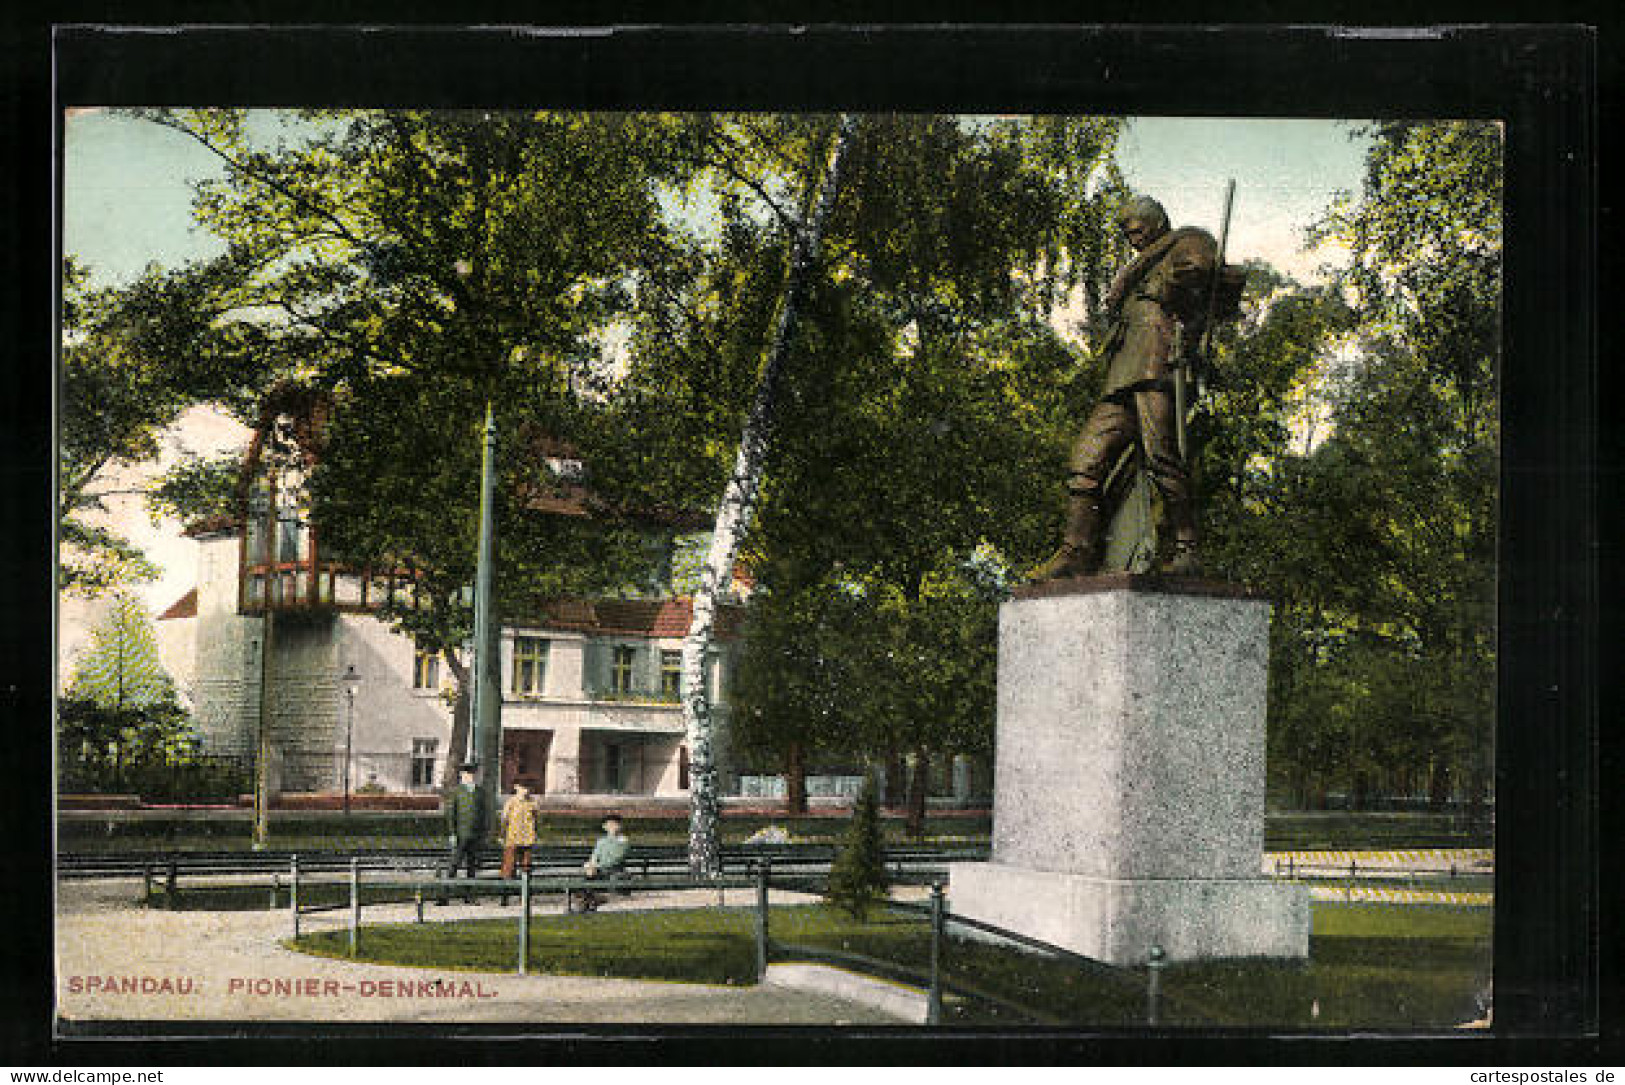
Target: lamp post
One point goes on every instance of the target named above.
(351, 681)
(487, 699)
(262, 735)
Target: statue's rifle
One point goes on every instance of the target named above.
(1205, 348)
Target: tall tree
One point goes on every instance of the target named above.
(935, 403)
(739, 499)
(1383, 663)
(931, 288)
(1426, 241)
(930, 373)
(413, 266)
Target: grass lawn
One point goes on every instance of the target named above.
(1381, 967)
(712, 945)
(1370, 966)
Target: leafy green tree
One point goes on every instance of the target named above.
(854, 668)
(799, 677)
(198, 488)
(392, 492)
(1377, 540)
(935, 388)
(1420, 419)
(941, 670)
(414, 266)
(133, 359)
(940, 387)
(738, 501)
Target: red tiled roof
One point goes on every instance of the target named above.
(636, 617)
(184, 607)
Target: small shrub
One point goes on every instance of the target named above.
(857, 879)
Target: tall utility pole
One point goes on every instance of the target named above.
(487, 645)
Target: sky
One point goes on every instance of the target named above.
(127, 203)
(127, 194)
(1286, 174)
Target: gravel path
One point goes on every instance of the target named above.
(116, 961)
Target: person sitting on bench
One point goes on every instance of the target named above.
(608, 861)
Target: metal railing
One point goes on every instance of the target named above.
(903, 863)
(934, 979)
(194, 777)
(1290, 866)
(422, 881)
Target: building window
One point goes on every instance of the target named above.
(423, 750)
(614, 766)
(259, 533)
(288, 538)
(425, 669)
(620, 670)
(529, 665)
(671, 675)
(682, 768)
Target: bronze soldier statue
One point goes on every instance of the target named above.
(1157, 306)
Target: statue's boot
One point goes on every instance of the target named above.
(1079, 554)
(1178, 541)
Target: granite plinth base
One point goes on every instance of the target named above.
(1118, 920)
(1130, 736)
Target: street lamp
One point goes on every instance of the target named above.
(351, 681)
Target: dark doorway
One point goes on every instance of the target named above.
(524, 759)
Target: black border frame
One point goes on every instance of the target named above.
(1541, 80)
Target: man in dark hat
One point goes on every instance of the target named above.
(1157, 306)
(608, 861)
(465, 824)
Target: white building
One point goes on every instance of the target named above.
(590, 687)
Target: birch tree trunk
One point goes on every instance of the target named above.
(733, 516)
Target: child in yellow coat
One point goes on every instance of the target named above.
(518, 830)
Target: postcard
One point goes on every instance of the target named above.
(843, 567)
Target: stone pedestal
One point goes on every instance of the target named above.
(1129, 776)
